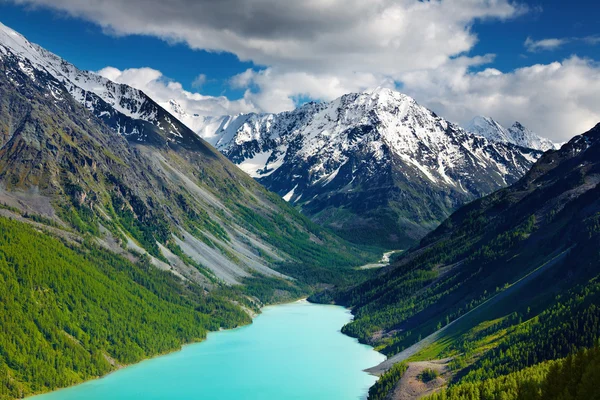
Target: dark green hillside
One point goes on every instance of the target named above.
(73, 312)
(574, 377)
(506, 282)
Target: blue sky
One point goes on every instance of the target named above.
(86, 45)
(296, 53)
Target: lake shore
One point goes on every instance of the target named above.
(119, 367)
(318, 360)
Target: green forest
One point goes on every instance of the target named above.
(575, 377)
(72, 312)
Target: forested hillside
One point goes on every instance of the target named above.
(507, 282)
(74, 311)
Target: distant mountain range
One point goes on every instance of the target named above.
(375, 167)
(517, 134)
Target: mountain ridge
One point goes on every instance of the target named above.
(348, 165)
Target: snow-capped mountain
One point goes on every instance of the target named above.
(127, 110)
(374, 166)
(517, 134)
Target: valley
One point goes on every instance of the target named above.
(149, 251)
(384, 262)
(377, 168)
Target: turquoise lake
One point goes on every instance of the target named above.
(291, 351)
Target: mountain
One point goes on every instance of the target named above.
(121, 152)
(123, 234)
(504, 285)
(517, 134)
(126, 110)
(375, 167)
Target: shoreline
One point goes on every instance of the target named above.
(123, 366)
(208, 334)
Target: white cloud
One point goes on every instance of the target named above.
(161, 89)
(544, 44)
(554, 43)
(592, 40)
(199, 81)
(382, 37)
(557, 100)
(277, 90)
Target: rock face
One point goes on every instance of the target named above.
(517, 134)
(376, 167)
(106, 160)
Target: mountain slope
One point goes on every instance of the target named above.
(506, 282)
(517, 134)
(376, 167)
(144, 180)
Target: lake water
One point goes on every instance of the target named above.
(292, 351)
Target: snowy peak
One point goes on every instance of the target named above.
(126, 110)
(517, 134)
(176, 109)
(347, 163)
(488, 128)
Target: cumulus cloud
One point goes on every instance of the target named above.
(557, 100)
(377, 36)
(275, 90)
(162, 89)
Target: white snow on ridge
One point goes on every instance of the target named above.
(517, 134)
(290, 194)
(123, 98)
(251, 166)
(317, 139)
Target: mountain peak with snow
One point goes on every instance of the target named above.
(517, 134)
(375, 164)
(126, 110)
